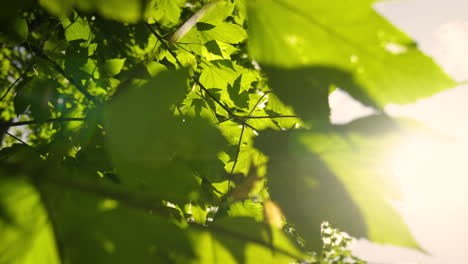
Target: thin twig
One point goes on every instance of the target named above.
(51, 120)
(277, 116)
(240, 139)
(17, 80)
(23, 142)
(236, 158)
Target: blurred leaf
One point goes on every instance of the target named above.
(93, 229)
(37, 93)
(26, 235)
(341, 176)
(154, 150)
(13, 31)
(129, 11)
(299, 36)
(166, 12)
(242, 240)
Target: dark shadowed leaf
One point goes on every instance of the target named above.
(155, 150)
(93, 229)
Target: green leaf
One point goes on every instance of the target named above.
(78, 64)
(225, 32)
(305, 91)
(218, 12)
(242, 240)
(59, 8)
(78, 29)
(155, 150)
(112, 67)
(241, 99)
(26, 235)
(37, 93)
(95, 229)
(383, 64)
(247, 208)
(13, 31)
(129, 11)
(275, 107)
(166, 12)
(341, 176)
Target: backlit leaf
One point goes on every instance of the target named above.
(292, 39)
(341, 176)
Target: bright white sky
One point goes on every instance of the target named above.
(434, 175)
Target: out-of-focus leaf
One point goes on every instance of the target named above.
(26, 236)
(242, 240)
(59, 8)
(247, 208)
(129, 11)
(154, 150)
(341, 176)
(166, 12)
(288, 37)
(13, 31)
(37, 93)
(93, 229)
(218, 12)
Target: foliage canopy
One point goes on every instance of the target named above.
(174, 131)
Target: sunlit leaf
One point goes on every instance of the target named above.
(341, 176)
(26, 235)
(242, 240)
(290, 39)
